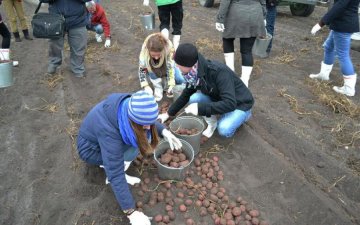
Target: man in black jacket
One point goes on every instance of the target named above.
(75, 15)
(212, 89)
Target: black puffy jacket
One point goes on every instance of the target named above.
(222, 85)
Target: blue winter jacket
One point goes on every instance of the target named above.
(343, 16)
(74, 11)
(100, 126)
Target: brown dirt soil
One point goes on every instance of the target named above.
(297, 160)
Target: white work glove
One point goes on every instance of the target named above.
(169, 92)
(132, 180)
(315, 29)
(139, 218)
(265, 23)
(149, 90)
(146, 3)
(220, 27)
(174, 142)
(192, 108)
(163, 117)
(107, 43)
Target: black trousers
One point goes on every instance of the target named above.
(177, 14)
(4, 32)
(246, 45)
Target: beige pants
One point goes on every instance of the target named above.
(12, 7)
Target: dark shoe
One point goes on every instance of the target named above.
(27, 35)
(17, 36)
(79, 75)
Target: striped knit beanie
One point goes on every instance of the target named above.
(143, 108)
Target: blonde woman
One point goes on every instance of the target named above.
(156, 66)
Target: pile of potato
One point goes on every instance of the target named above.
(174, 158)
(200, 197)
(184, 131)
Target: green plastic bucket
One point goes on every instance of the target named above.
(171, 173)
(188, 122)
(6, 78)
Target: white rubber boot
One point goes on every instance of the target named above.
(245, 74)
(98, 38)
(165, 33)
(176, 41)
(349, 86)
(211, 126)
(229, 60)
(324, 72)
(158, 89)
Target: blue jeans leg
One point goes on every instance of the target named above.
(270, 23)
(199, 97)
(342, 42)
(179, 79)
(329, 49)
(231, 121)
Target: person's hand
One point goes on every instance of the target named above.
(174, 142)
(315, 29)
(139, 218)
(220, 27)
(146, 3)
(149, 90)
(163, 117)
(107, 43)
(192, 108)
(170, 92)
(132, 180)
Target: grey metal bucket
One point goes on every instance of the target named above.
(177, 90)
(189, 122)
(6, 78)
(261, 45)
(171, 173)
(148, 20)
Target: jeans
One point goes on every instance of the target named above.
(97, 28)
(77, 39)
(337, 45)
(179, 79)
(91, 152)
(270, 23)
(4, 32)
(229, 122)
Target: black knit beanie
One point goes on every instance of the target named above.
(186, 55)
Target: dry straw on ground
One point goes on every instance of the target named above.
(52, 80)
(211, 46)
(293, 102)
(337, 102)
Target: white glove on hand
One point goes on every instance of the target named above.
(107, 43)
(192, 108)
(174, 142)
(265, 23)
(315, 29)
(149, 90)
(146, 3)
(139, 218)
(132, 180)
(220, 27)
(163, 117)
(169, 92)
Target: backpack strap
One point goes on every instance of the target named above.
(38, 7)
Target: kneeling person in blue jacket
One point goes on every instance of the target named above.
(113, 133)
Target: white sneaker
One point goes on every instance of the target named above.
(98, 38)
(15, 63)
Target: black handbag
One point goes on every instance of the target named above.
(47, 25)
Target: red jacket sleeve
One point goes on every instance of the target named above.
(100, 18)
